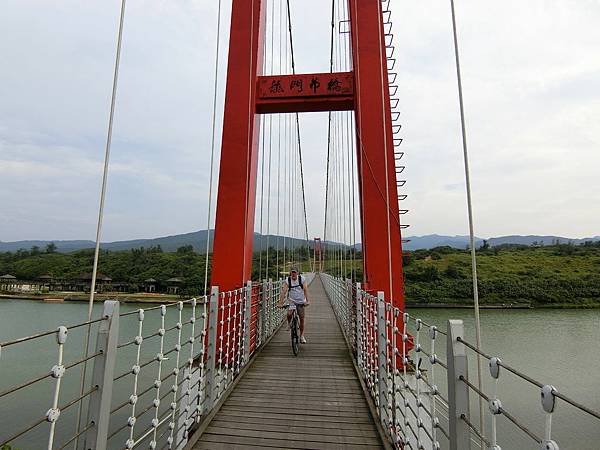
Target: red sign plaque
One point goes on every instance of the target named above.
(305, 92)
(306, 85)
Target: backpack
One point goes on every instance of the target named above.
(300, 284)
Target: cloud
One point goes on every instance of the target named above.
(532, 100)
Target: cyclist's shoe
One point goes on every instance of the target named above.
(302, 340)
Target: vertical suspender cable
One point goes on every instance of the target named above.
(272, 40)
(350, 149)
(328, 144)
(353, 156)
(470, 211)
(249, 142)
(327, 177)
(279, 154)
(337, 154)
(360, 149)
(101, 207)
(385, 144)
(286, 187)
(298, 133)
(286, 179)
(262, 175)
(262, 200)
(212, 146)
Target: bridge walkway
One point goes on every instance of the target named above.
(312, 401)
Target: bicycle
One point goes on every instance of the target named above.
(294, 330)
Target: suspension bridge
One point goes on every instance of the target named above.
(216, 371)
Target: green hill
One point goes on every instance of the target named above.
(555, 275)
(550, 275)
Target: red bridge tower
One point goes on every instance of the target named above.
(249, 95)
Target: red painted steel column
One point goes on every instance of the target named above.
(234, 228)
(382, 246)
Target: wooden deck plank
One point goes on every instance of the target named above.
(266, 441)
(313, 401)
(285, 425)
(339, 438)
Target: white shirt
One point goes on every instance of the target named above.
(295, 291)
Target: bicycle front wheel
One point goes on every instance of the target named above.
(295, 337)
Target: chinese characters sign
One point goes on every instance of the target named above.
(306, 85)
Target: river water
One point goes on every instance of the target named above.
(559, 347)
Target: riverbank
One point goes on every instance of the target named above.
(591, 304)
(470, 305)
(58, 297)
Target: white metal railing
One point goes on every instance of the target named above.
(423, 402)
(154, 375)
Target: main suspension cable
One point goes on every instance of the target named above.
(470, 213)
(109, 133)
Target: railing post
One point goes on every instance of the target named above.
(247, 316)
(458, 391)
(381, 358)
(269, 310)
(102, 376)
(262, 325)
(358, 338)
(213, 312)
(348, 307)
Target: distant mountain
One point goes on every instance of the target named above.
(197, 239)
(436, 240)
(540, 240)
(61, 246)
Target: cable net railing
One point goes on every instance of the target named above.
(420, 388)
(153, 374)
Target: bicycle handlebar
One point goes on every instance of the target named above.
(286, 305)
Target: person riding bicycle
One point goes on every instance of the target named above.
(297, 293)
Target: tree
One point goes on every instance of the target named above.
(185, 250)
(51, 248)
(35, 250)
(431, 273)
(452, 272)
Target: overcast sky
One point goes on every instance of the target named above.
(532, 94)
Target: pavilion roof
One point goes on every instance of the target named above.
(99, 276)
(174, 280)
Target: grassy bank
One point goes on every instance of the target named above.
(555, 276)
